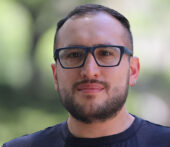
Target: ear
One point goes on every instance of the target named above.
(134, 70)
(53, 67)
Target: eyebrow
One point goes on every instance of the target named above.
(78, 45)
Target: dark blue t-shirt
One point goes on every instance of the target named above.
(141, 133)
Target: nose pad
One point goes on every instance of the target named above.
(90, 69)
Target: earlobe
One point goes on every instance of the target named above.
(53, 67)
(134, 70)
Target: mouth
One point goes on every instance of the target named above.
(90, 88)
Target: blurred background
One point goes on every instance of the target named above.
(28, 100)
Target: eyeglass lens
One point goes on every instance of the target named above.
(105, 56)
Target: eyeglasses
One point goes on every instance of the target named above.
(104, 55)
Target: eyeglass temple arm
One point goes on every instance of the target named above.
(128, 51)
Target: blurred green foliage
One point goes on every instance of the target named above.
(28, 100)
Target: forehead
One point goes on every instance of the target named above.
(91, 29)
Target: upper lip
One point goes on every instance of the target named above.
(90, 86)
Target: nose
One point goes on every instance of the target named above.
(90, 70)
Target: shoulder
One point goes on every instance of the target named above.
(155, 128)
(42, 138)
(154, 133)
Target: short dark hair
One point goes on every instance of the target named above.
(94, 8)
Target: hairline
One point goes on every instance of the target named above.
(128, 39)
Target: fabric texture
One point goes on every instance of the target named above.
(141, 133)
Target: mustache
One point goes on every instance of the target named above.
(105, 84)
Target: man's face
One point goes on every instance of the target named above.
(92, 93)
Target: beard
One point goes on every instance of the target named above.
(108, 109)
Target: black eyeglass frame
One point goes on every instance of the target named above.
(91, 50)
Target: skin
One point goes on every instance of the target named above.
(89, 30)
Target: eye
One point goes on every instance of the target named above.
(74, 55)
(105, 53)
(71, 54)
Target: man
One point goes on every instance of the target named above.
(94, 65)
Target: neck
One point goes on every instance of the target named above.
(112, 126)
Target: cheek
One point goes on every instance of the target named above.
(66, 78)
(111, 74)
(117, 76)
